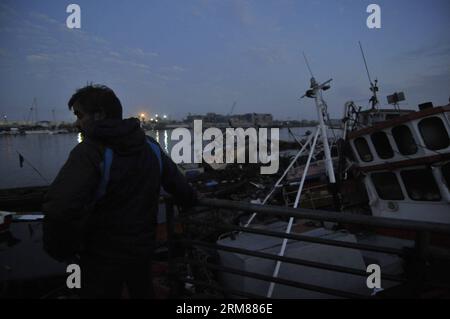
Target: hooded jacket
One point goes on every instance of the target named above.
(119, 225)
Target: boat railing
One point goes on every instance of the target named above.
(418, 275)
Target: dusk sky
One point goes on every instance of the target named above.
(198, 56)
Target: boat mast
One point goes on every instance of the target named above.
(321, 111)
(315, 92)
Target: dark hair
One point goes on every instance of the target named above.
(95, 98)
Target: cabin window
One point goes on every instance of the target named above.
(434, 133)
(421, 185)
(387, 186)
(382, 145)
(404, 140)
(446, 173)
(363, 149)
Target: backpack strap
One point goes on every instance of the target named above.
(106, 168)
(107, 161)
(155, 148)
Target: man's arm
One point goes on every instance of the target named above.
(176, 184)
(69, 201)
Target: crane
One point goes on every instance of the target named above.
(232, 108)
(231, 112)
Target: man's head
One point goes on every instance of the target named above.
(95, 102)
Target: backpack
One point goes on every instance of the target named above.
(73, 237)
(108, 157)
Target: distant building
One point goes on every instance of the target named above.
(215, 118)
(45, 124)
(251, 119)
(191, 117)
(238, 120)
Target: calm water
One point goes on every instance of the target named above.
(47, 153)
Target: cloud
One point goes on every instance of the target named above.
(45, 42)
(430, 50)
(265, 55)
(170, 73)
(439, 80)
(138, 52)
(433, 87)
(44, 18)
(33, 58)
(115, 54)
(176, 68)
(126, 62)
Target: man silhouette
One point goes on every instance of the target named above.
(103, 204)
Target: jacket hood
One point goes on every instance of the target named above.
(123, 136)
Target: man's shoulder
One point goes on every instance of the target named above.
(88, 149)
(151, 139)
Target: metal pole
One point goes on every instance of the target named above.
(295, 137)
(302, 182)
(323, 215)
(291, 219)
(323, 127)
(277, 184)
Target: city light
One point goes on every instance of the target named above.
(164, 116)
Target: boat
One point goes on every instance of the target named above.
(392, 163)
(403, 159)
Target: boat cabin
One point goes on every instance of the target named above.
(419, 192)
(417, 135)
(406, 165)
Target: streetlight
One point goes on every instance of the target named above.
(142, 118)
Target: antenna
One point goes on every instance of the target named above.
(365, 62)
(307, 64)
(373, 87)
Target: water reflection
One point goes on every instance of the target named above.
(166, 141)
(46, 153)
(49, 152)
